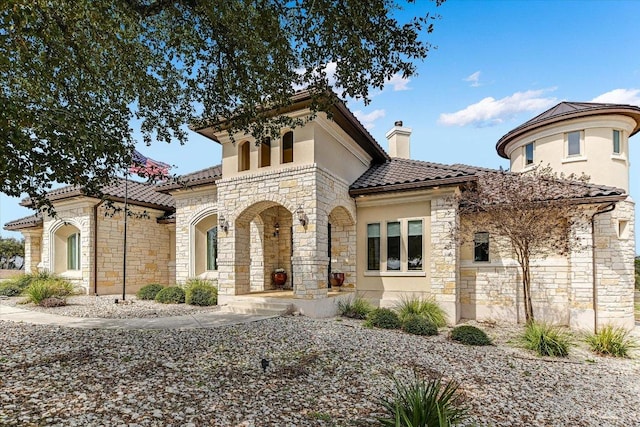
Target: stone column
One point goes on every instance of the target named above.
(32, 249)
(445, 257)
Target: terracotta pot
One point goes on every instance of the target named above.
(279, 279)
(336, 279)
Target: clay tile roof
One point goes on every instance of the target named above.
(403, 174)
(30, 221)
(569, 110)
(138, 193)
(193, 179)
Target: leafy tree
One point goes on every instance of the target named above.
(535, 211)
(74, 74)
(10, 249)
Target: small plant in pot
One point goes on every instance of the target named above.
(279, 277)
(336, 278)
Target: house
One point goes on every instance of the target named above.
(326, 197)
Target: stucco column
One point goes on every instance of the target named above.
(445, 257)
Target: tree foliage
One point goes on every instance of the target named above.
(74, 74)
(10, 250)
(536, 211)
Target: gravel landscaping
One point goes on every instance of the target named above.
(105, 307)
(329, 372)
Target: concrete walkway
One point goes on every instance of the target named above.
(190, 321)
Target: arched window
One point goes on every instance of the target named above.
(287, 147)
(265, 152)
(243, 156)
(212, 249)
(73, 252)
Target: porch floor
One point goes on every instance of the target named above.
(286, 293)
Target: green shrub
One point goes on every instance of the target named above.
(424, 404)
(426, 308)
(546, 340)
(470, 335)
(355, 308)
(384, 318)
(10, 289)
(171, 295)
(418, 325)
(200, 292)
(43, 288)
(24, 280)
(149, 292)
(612, 341)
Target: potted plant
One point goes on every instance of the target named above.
(336, 278)
(279, 277)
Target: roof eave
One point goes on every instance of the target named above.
(408, 186)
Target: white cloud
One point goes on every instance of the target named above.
(620, 96)
(474, 79)
(491, 111)
(398, 82)
(368, 119)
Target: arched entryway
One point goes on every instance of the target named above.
(342, 244)
(263, 244)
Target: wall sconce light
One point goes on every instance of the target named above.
(301, 216)
(222, 222)
(276, 226)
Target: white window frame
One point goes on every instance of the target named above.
(580, 144)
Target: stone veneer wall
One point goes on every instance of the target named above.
(445, 256)
(148, 251)
(243, 197)
(191, 206)
(614, 255)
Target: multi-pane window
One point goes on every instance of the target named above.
(212, 249)
(528, 154)
(616, 142)
(287, 147)
(373, 246)
(573, 143)
(393, 246)
(481, 246)
(73, 252)
(414, 245)
(265, 152)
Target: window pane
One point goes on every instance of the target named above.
(212, 249)
(373, 247)
(287, 147)
(529, 153)
(244, 154)
(393, 246)
(481, 247)
(414, 245)
(616, 142)
(573, 139)
(73, 252)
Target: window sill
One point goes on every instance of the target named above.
(574, 159)
(619, 158)
(71, 274)
(395, 274)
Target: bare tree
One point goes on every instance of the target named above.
(538, 212)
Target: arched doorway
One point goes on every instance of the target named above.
(263, 243)
(341, 240)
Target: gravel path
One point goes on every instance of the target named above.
(105, 307)
(328, 372)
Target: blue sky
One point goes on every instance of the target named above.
(497, 64)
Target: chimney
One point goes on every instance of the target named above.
(398, 138)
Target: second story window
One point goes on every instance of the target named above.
(616, 142)
(287, 147)
(265, 152)
(244, 154)
(573, 143)
(528, 154)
